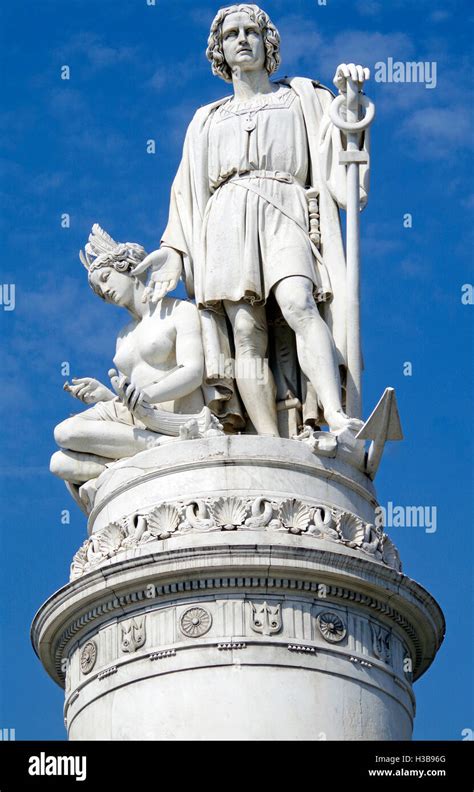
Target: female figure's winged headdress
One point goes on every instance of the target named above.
(102, 250)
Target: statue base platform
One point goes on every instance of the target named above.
(237, 588)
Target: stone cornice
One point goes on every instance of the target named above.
(271, 568)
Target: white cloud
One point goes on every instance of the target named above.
(47, 182)
(431, 122)
(203, 16)
(178, 73)
(90, 47)
(439, 16)
(378, 240)
(366, 47)
(304, 48)
(301, 41)
(414, 267)
(68, 103)
(369, 7)
(438, 132)
(468, 201)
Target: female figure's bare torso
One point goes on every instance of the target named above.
(146, 351)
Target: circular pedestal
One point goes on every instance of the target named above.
(237, 588)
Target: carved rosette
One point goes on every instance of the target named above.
(195, 622)
(234, 513)
(332, 627)
(88, 657)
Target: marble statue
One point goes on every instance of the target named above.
(228, 531)
(159, 357)
(254, 228)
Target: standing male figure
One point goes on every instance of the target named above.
(239, 226)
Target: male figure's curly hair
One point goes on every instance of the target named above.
(271, 39)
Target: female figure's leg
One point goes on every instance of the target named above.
(76, 468)
(88, 442)
(107, 438)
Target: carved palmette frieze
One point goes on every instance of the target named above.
(261, 516)
(294, 516)
(266, 619)
(162, 522)
(101, 546)
(228, 513)
(132, 634)
(234, 513)
(350, 529)
(390, 555)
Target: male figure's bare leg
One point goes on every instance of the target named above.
(254, 378)
(315, 346)
(109, 439)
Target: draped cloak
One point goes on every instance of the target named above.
(191, 191)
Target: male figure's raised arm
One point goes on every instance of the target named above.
(333, 140)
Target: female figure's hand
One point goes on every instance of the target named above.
(129, 394)
(88, 390)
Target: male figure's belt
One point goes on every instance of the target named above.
(280, 176)
(324, 292)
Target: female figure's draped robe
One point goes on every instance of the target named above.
(239, 237)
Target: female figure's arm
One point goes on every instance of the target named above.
(188, 374)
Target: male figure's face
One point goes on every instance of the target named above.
(242, 43)
(115, 287)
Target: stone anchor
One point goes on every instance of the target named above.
(382, 425)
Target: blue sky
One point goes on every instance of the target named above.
(138, 72)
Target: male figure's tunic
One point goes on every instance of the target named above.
(240, 235)
(249, 243)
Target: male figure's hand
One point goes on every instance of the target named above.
(166, 265)
(350, 71)
(88, 390)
